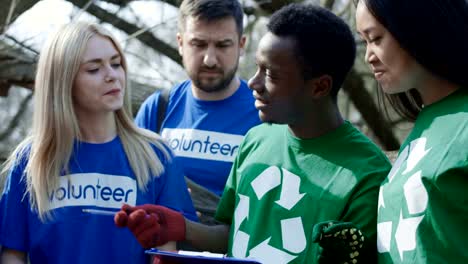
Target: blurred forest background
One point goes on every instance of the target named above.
(147, 31)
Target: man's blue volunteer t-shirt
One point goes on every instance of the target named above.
(205, 135)
(100, 178)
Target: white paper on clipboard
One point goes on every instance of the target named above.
(193, 257)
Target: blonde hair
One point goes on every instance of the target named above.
(55, 124)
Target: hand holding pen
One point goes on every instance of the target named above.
(152, 225)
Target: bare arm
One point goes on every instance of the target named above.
(207, 238)
(10, 256)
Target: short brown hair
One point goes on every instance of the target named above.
(211, 10)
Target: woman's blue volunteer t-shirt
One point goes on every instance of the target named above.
(100, 178)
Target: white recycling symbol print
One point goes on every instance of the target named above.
(416, 200)
(292, 229)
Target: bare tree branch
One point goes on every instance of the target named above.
(16, 67)
(15, 120)
(22, 44)
(19, 8)
(270, 6)
(16, 71)
(146, 37)
(355, 88)
(174, 3)
(248, 10)
(7, 22)
(82, 10)
(328, 4)
(345, 9)
(139, 93)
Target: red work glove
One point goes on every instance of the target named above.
(152, 225)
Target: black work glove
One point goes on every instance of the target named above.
(342, 242)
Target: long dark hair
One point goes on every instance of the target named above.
(434, 33)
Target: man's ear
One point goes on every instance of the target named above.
(242, 43)
(321, 86)
(180, 42)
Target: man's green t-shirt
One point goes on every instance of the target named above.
(280, 186)
(423, 203)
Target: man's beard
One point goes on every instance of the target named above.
(220, 85)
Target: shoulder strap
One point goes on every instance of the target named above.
(162, 105)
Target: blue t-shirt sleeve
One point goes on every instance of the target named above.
(14, 206)
(147, 116)
(174, 192)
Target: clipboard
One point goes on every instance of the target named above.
(194, 257)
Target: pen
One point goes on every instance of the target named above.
(98, 212)
(201, 253)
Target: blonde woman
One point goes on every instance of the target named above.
(83, 160)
